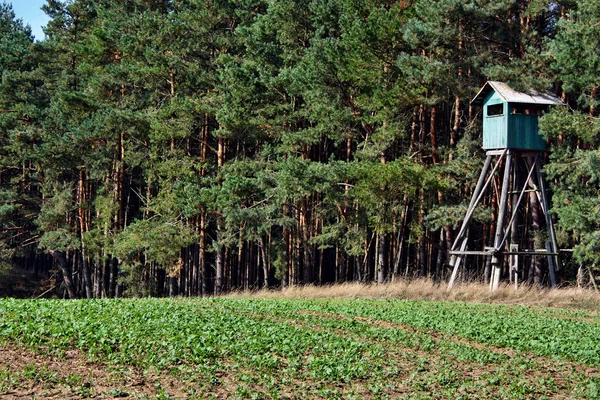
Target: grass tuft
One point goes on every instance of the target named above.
(428, 290)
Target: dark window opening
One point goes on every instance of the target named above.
(496, 109)
(527, 109)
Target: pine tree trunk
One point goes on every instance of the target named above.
(296, 254)
(98, 279)
(422, 132)
(219, 259)
(85, 270)
(203, 272)
(202, 255)
(421, 250)
(114, 275)
(457, 101)
(455, 127)
(441, 256)
(422, 258)
(247, 269)
(195, 268)
(401, 238)
(381, 259)
(449, 241)
(106, 281)
(433, 135)
(307, 275)
(239, 275)
(342, 261)
(265, 264)
(60, 257)
(413, 129)
(286, 255)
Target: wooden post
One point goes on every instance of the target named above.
(551, 265)
(514, 264)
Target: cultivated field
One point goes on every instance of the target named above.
(295, 348)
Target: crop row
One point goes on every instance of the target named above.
(563, 334)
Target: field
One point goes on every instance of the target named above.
(295, 348)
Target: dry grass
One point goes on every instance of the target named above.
(428, 290)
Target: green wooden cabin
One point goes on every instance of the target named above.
(510, 118)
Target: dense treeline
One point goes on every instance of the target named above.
(189, 147)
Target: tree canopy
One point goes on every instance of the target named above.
(192, 147)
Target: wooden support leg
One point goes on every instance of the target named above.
(549, 225)
(463, 235)
(513, 225)
(497, 258)
(514, 264)
(474, 201)
(551, 265)
(515, 202)
(455, 262)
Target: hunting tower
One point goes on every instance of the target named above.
(511, 137)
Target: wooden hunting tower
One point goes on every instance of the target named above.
(510, 134)
(510, 118)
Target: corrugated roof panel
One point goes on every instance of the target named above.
(512, 96)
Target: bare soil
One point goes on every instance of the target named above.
(26, 374)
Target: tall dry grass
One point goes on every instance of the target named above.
(428, 290)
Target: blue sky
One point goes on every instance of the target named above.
(30, 12)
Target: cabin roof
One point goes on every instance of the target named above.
(510, 95)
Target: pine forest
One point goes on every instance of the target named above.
(197, 147)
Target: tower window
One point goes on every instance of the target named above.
(496, 109)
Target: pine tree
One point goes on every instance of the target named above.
(575, 156)
(22, 105)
